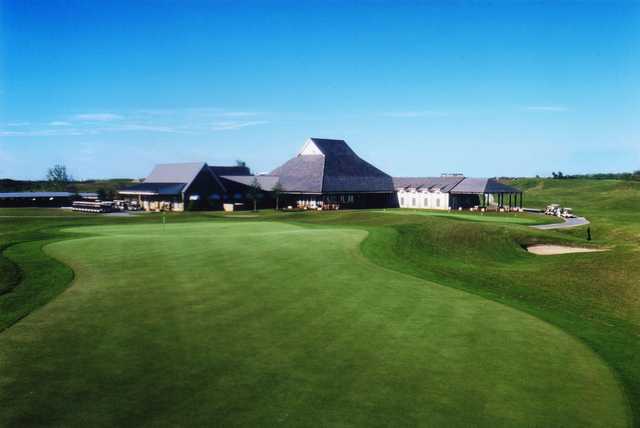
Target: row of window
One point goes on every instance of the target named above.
(343, 199)
(425, 202)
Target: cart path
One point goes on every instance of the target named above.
(568, 223)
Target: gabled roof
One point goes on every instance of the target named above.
(230, 170)
(175, 172)
(483, 185)
(444, 184)
(154, 189)
(266, 182)
(326, 166)
(185, 172)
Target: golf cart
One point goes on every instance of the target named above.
(553, 209)
(567, 213)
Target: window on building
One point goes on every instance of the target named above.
(401, 201)
(413, 202)
(426, 202)
(437, 202)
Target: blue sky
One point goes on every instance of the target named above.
(499, 88)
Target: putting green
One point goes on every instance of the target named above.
(225, 323)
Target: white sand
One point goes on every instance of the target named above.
(548, 250)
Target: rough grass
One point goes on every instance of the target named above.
(265, 323)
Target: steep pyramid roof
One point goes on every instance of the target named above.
(325, 166)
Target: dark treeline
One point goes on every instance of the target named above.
(58, 179)
(599, 175)
(108, 186)
(627, 176)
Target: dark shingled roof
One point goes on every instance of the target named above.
(230, 170)
(445, 184)
(302, 174)
(337, 169)
(483, 185)
(266, 182)
(154, 189)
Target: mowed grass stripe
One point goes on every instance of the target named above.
(268, 323)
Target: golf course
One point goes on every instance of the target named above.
(352, 318)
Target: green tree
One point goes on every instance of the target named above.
(277, 191)
(255, 190)
(58, 178)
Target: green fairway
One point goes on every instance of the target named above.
(262, 323)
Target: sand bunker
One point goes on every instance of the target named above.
(548, 250)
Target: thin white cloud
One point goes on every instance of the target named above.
(239, 114)
(549, 108)
(177, 121)
(142, 127)
(226, 126)
(47, 132)
(413, 114)
(194, 112)
(98, 117)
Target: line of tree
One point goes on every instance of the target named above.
(58, 179)
(635, 175)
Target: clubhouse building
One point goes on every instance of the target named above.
(324, 174)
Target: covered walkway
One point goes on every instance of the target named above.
(488, 193)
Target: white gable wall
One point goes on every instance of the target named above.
(434, 200)
(310, 148)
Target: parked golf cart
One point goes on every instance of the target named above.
(567, 213)
(553, 209)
